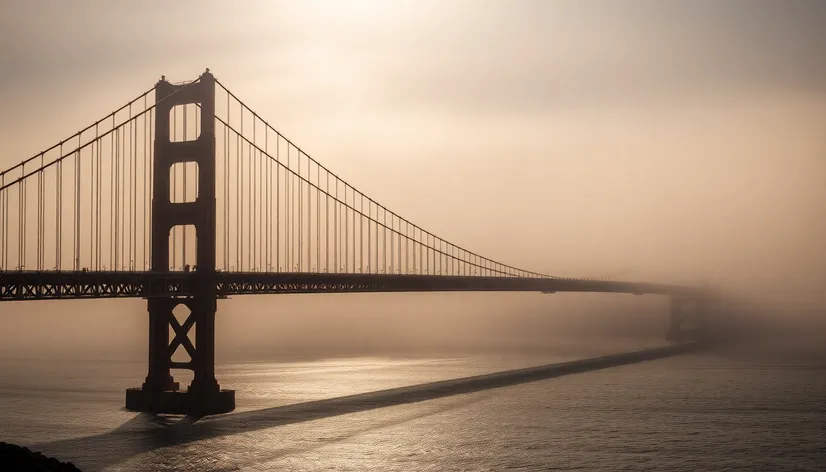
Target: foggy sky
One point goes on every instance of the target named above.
(665, 140)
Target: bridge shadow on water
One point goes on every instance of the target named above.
(146, 432)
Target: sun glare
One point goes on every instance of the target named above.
(361, 11)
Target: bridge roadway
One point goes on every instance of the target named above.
(45, 285)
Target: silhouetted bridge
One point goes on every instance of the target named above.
(185, 195)
(26, 285)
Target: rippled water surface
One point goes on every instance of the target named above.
(693, 412)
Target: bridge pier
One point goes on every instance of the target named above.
(160, 393)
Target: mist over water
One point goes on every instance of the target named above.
(307, 327)
(312, 326)
(648, 140)
(316, 379)
(696, 411)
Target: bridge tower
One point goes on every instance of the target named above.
(160, 393)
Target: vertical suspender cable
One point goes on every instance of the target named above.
(226, 191)
(76, 208)
(40, 232)
(21, 226)
(124, 165)
(197, 178)
(250, 203)
(346, 232)
(415, 245)
(384, 266)
(240, 190)
(351, 209)
(327, 224)
(225, 179)
(184, 196)
(407, 247)
(262, 219)
(278, 202)
(92, 200)
(300, 214)
(134, 183)
(318, 218)
(309, 216)
(288, 215)
(252, 199)
(144, 195)
(152, 170)
(376, 240)
(268, 235)
(236, 193)
(361, 233)
(59, 213)
(335, 227)
(4, 215)
(174, 189)
(112, 166)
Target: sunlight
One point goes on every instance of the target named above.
(350, 11)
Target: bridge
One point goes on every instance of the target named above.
(185, 195)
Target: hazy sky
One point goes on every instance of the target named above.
(663, 138)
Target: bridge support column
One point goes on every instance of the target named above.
(159, 379)
(160, 393)
(688, 318)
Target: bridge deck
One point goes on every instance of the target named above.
(32, 285)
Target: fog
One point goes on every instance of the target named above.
(292, 327)
(657, 141)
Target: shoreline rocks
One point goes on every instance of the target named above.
(18, 458)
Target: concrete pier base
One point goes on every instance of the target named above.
(180, 403)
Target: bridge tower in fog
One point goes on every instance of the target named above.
(689, 315)
(160, 393)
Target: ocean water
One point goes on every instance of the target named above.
(706, 411)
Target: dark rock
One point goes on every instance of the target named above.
(17, 458)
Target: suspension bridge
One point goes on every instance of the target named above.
(185, 195)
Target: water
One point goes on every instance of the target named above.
(706, 411)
